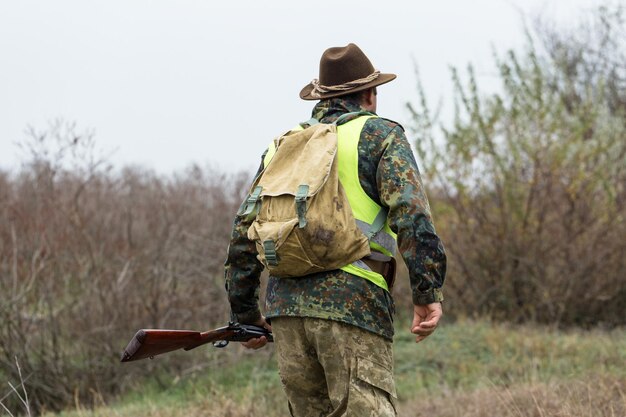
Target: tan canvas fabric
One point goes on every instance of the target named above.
(331, 238)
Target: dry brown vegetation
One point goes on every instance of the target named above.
(594, 397)
(527, 191)
(88, 255)
(598, 397)
(468, 368)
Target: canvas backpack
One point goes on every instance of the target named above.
(303, 222)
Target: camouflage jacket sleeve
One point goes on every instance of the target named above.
(242, 270)
(400, 188)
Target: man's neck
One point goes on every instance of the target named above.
(332, 108)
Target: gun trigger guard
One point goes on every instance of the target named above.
(220, 344)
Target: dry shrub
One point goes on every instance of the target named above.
(88, 255)
(594, 397)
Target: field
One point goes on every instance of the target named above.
(467, 368)
(527, 191)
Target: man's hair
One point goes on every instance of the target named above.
(357, 97)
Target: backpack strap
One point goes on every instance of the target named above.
(311, 122)
(341, 119)
(251, 206)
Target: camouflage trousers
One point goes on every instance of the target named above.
(329, 368)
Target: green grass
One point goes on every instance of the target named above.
(231, 372)
(471, 355)
(462, 357)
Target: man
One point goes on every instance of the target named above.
(333, 330)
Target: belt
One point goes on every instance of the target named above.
(382, 264)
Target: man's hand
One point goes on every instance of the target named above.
(425, 320)
(258, 342)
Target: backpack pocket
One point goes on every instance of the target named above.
(280, 248)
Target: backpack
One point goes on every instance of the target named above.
(303, 222)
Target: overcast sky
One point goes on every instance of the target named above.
(165, 84)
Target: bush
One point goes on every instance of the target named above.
(88, 256)
(528, 184)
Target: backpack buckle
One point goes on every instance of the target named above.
(251, 206)
(301, 196)
(270, 252)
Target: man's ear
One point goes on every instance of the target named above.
(368, 96)
(369, 99)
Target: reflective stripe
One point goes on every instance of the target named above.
(362, 265)
(387, 242)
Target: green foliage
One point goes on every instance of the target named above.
(528, 183)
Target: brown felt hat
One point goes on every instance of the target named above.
(343, 70)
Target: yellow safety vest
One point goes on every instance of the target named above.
(364, 209)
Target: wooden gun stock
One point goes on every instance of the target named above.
(148, 343)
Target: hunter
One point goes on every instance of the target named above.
(333, 329)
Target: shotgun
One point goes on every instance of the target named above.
(148, 343)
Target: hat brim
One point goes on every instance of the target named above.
(305, 93)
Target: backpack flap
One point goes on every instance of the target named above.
(303, 157)
(304, 223)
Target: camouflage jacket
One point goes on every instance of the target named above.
(388, 173)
